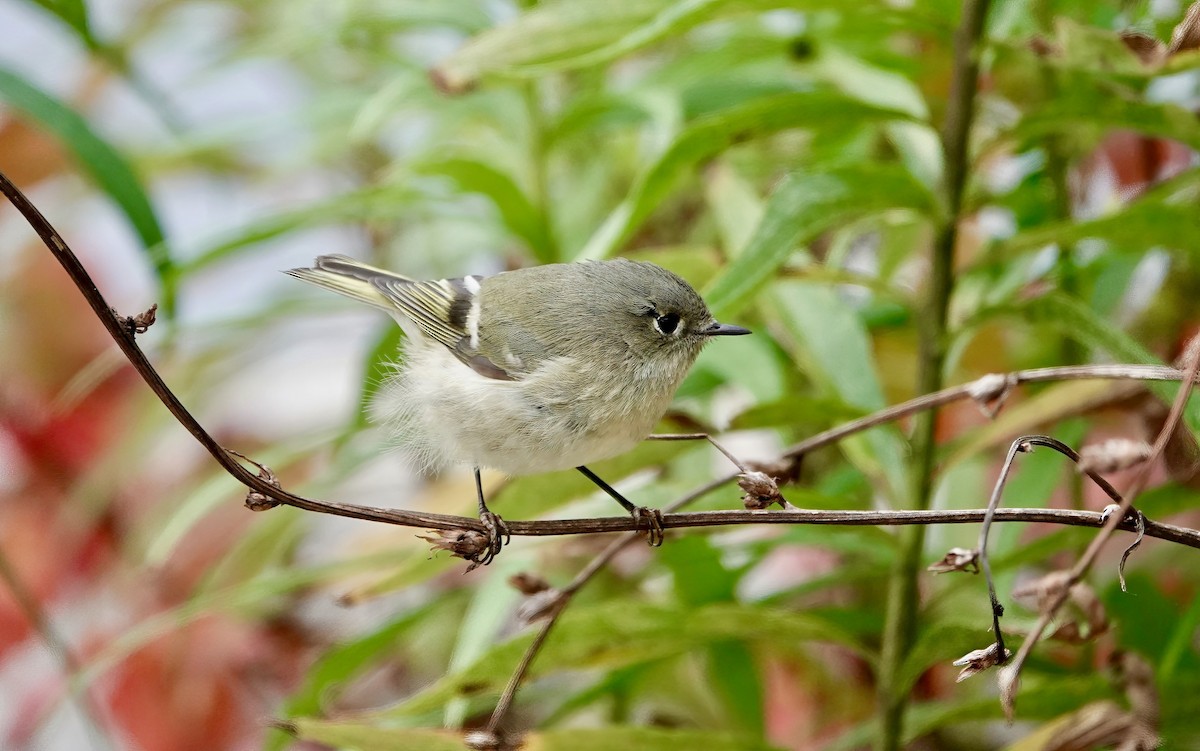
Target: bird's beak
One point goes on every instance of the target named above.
(724, 329)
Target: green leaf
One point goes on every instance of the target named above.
(519, 215)
(364, 736)
(347, 735)
(712, 134)
(255, 595)
(106, 166)
(73, 13)
(700, 577)
(832, 346)
(1078, 321)
(733, 673)
(1076, 114)
(1039, 699)
(622, 633)
(549, 32)
(804, 205)
(338, 665)
(1134, 230)
(940, 644)
(565, 35)
(371, 203)
(1053, 404)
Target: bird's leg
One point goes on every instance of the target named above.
(652, 516)
(497, 530)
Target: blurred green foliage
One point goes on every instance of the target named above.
(785, 157)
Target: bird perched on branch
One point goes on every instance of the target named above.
(533, 370)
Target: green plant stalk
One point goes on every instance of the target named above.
(903, 598)
(1057, 166)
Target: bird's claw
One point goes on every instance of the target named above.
(497, 537)
(654, 524)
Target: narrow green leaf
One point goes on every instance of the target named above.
(833, 347)
(1055, 403)
(1165, 217)
(734, 675)
(364, 736)
(106, 166)
(642, 739)
(1180, 641)
(1081, 323)
(340, 664)
(73, 13)
(622, 633)
(560, 36)
(365, 204)
(1039, 700)
(519, 215)
(1074, 114)
(545, 33)
(347, 735)
(802, 206)
(712, 134)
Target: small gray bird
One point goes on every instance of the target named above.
(534, 370)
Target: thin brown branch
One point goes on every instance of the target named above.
(985, 389)
(1025, 444)
(1010, 674)
(982, 388)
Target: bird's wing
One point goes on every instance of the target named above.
(445, 310)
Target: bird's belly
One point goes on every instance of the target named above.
(516, 440)
(444, 415)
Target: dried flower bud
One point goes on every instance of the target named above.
(957, 559)
(1112, 455)
(463, 543)
(256, 501)
(527, 583)
(979, 660)
(760, 490)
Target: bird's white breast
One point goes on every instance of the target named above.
(558, 417)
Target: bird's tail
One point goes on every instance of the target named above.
(349, 277)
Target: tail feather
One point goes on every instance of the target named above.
(349, 277)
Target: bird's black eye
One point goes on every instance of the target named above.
(667, 323)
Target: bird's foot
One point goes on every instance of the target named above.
(654, 524)
(497, 537)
